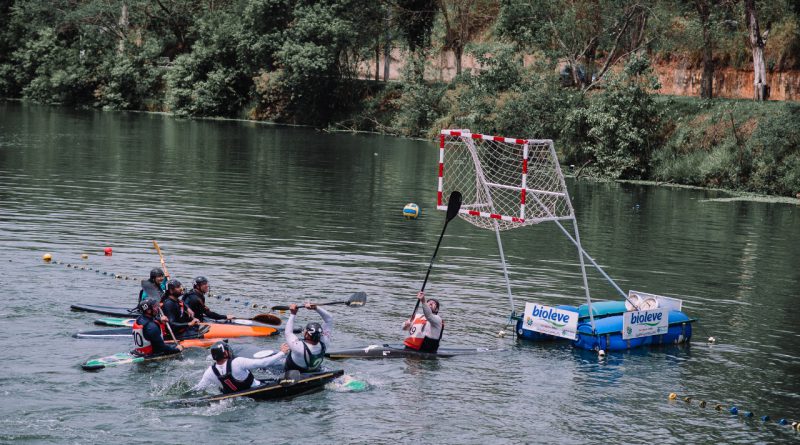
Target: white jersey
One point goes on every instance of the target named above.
(240, 366)
(296, 344)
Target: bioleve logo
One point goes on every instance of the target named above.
(647, 319)
(552, 316)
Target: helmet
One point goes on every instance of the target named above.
(437, 305)
(314, 331)
(200, 281)
(156, 272)
(174, 284)
(148, 304)
(221, 350)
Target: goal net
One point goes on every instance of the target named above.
(505, 183)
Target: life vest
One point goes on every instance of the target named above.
(230, 384)
(142, 345)
(312, 361)
(416, 336)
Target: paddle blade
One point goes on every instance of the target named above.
(270, 319)
(453, 204)
(357, 299)
(280, 308)
(199, 342)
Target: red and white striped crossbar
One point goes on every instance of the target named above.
(523, 191)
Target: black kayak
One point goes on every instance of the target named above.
(289, 386)
(399, 351)
(114, 311)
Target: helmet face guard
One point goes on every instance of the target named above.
(174, 284)
(313, 332)
(220, 350)
(149, 304)
(436, 302)
(199, 281)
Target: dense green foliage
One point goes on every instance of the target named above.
(575, 71)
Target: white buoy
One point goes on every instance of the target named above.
(501, 334)
(601, 353)
(712, 340)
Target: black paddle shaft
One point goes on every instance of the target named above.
(453, 206)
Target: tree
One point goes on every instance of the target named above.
(579, 32)
(463, 20)
(757, 42)
(707, 80)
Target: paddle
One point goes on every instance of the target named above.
(357, 299)
(453, 206)
(161, 256)
(271, 319)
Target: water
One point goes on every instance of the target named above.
(274, 215)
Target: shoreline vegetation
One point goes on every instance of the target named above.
(583, 76)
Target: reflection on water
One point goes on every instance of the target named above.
(275, 215)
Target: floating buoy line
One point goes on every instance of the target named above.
(49, 259)
(734, 411)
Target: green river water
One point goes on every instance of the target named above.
(274, 215)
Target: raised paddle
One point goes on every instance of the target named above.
(453, 206)
(161, 256)
(357, 299)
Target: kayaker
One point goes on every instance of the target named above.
(425, 331)
(148, 335)
(180, 319)
(195, 300)
(156, 284)
(234, 373)
(307, 354)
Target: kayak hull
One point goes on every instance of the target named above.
(128, 322)
(215, 330)
(272, 389)
(399, 351)
(113, 311)
(127, 358)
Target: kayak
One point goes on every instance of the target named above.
(128, 322)
(215, 330)
(125, 358)
(399, 351)
(113, 311)
(296, 384)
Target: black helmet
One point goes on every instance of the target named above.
(148, 304)
(221, 350)
(156, 272)
(174, 284)
(200, 281)
(437, 304)
(314, 331)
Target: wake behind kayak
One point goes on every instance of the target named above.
(294, 385)
(399, 351)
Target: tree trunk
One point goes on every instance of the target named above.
(757, 43)
(377, 60)
(707, 79)
(123, 25)
(458, 52)
(387, 59)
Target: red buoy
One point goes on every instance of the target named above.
(107, 251)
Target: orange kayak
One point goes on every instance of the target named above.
(220, 330)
